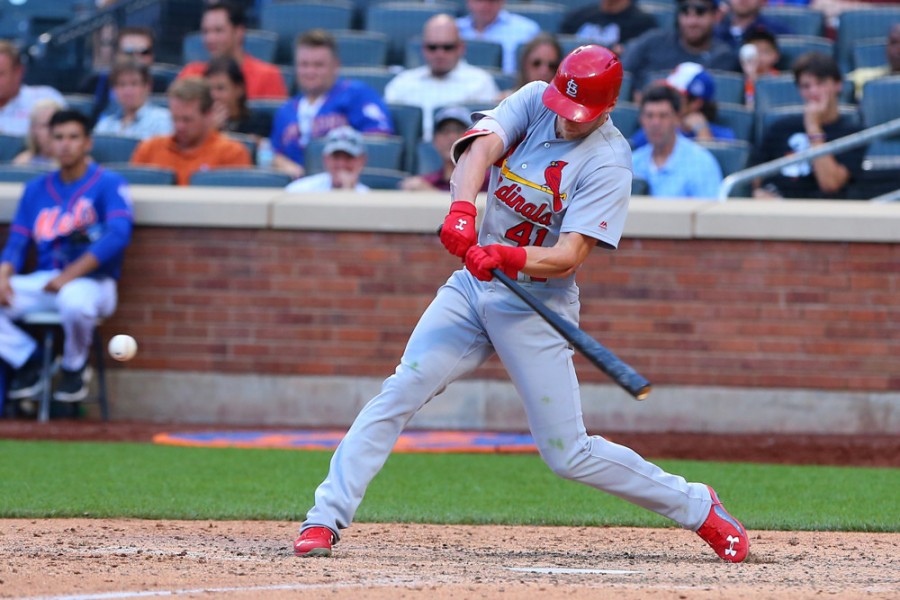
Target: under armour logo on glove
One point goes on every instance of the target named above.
(458, 230)
(730, 551)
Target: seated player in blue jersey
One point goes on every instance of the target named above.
(79, 219)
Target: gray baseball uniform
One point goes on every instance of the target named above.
(543, 186)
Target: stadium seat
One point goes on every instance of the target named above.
(765, 119)
(781, 90)
(376, 77)
(427, 158)
(663, 12)
(792, 46)
(83, 103)
(382, 179)
(548, 15)
(20, 174)
(625, 118)
(10, 146)
(626, 89)
(384, 152)
(113, 148)
(289, 74)
(480, 53)
(260, 44)
(801, 21)
(732, 155)
(639, 187)
(163, 74)
(869, 53)
(266, 106)
(142, 174)
(729, 86)
(408, 125)
(241, 177)
(287, 19)
(860, 24)
(738, 118)
(569, 42)
(879, 105)
(249, 142)
(401, 21)
(361, 48)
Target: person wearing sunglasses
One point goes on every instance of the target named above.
(490, 21)
(744, 16)
(445, 78)
(610, 23)
(692, 40)
(538, 61)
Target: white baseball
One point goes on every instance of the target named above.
(122, 347)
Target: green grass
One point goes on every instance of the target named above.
(58, 479)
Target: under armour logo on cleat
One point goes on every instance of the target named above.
(462, 224)
(732, 540)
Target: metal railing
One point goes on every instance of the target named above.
(854, 140)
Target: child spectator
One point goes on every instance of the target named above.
(38, 150)
(758, 57)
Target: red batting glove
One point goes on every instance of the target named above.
(481, 259)
(458, 230)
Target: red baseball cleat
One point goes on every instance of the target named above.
(724, 533)
(315, 541)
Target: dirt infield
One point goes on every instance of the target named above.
(83, 559)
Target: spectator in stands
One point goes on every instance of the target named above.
(445, 79)
(449, 125)
(38, 148)
(672, 165)
(698, 106)
(692, 40)
(196, 144)
(344, 158)
(611, 23)
(539, 59)
(758, 57)
(79, 242)
(818, 79)
(488, 20)
(229, 92)
(325, 101)
(743, 17)
(131, 42)
(860, 77)
(223, 28)
(135, 115)
(18, 100)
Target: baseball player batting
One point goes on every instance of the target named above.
(560, 185)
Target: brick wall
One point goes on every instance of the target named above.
(684, 312)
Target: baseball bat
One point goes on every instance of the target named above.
(619, 371)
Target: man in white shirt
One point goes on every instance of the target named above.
(344, 157)
(17, 100)
(488, 20)
(445, 79)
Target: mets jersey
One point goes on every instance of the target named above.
(65, 220)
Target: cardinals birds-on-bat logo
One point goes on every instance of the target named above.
(552, 179)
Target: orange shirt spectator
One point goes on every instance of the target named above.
(196, 144)
(264, 80)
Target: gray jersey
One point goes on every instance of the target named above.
(544, 186)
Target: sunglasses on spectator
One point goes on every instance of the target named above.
(134, 51)
(444, 47)
(697, 9)
(537, 62)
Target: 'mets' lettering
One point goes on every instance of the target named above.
(52, 223)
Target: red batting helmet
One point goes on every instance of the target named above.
(586, 83)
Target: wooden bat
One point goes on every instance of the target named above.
(623, 374)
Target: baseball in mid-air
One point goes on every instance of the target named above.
(122, 347)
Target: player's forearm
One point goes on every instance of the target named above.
(561, 260)
(85, 264)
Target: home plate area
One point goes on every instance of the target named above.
(410, 441)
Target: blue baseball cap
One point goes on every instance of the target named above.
(692, 79)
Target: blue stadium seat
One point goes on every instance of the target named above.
(481, 53)
(792, 46)
(267, 106)
(113, 148)
(860, 24)
(287, 19)
(548, 15)
(260, 44)
(376, 77)
(626, 89)
(20, 174)
(780, 90)
(361, 48)
(382, 179)
(869, 53)
(401, 21)
(639, 187)
(765, 119)
(142, 174)
(10, 146)
(880, 104)
(408, 125)
(663, 12)
(83, 103)
(249, 142)
(729, 86)
(427, 158)
(569, 42)
(163, 74)
(625, 118)
(800, 20)
(241, 177)
(732, 155)
(738, 118)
